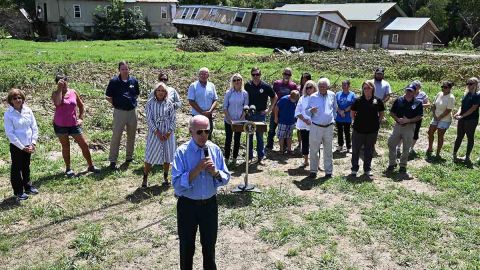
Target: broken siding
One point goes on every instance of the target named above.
(286, 22)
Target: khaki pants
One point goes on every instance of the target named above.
(404, 133)
(121, 119)
(319, 136)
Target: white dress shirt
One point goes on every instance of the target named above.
(326, 108)
(20, 127)
(300, 110)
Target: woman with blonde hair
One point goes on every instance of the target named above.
(235, 99)
(303, 120)
(467, 118)
(22, 132)
(161, 121)
(366, 112)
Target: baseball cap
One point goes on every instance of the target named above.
(410, 87)
(380, 70)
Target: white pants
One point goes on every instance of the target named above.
(319, 136)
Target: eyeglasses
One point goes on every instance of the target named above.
(236, 80)
(255, 74)
(163, 80)
(287, 74)
(200, 131)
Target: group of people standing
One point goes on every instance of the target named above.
(199, 166)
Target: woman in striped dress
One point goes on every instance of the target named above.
(161, 143)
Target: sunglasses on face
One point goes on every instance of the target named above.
(255, 74)
(200, 131)
(163, 80)
(236, 80)
(287, 74)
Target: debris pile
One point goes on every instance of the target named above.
(200, 44)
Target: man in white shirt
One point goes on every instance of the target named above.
(383, 90)
(321, 109)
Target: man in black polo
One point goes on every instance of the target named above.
(122, 93)
(258, 94)
(406, 111)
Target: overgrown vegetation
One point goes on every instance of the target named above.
(200, 44)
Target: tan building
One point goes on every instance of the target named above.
(77, 15)
(408, 33)
(367, 20)
(326, 29)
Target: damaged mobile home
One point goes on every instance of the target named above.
(312, 29)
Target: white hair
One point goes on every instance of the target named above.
(195, 118)
(203, 69)
(324, 81)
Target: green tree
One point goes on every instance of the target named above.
(116, 22)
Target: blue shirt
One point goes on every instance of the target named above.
(234, 102)
(124, 94)
(344, 101)
(409, 109)
(203, 96)
(326, 108)
(286, 111)
(204, 185)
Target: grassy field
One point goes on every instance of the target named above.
(106, 222)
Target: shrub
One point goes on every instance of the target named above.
(464, 44)
(116, 22)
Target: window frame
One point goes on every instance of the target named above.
(75, 11)
(194, 14)
(185, 13)
(163, 11)
(236, 16)
(394, 38)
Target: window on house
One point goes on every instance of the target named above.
(163, 12)
(330, 32)
(213, 12)
(318, 30)
(194, 13)
(77, 13)
(239, 16)
(395, 38)
(185, 12)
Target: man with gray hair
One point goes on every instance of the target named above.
(198, 170)
(321, 108)
(202, 96)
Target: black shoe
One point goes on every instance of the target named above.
(69, 173)
(93, 169)
(22, 197)
(402, 170)
(112, 166)
(312, 175)
(390, 168)
(31, 190)
(328, 176)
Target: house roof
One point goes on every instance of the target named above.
(351, 11)
(150, 1)
(409, 24)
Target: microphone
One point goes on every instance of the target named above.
(245, 109)
(205, 151)
(253, 109)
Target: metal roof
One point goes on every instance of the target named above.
(351, 11)
(150, 1)
(408, 24)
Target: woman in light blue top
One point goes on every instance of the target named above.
(235, 99)
(345, 99)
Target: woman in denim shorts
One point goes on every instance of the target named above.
(442, 107)
(66, 123)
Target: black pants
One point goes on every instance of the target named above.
(190, 216)
(465, 127)
(344, 129)
(305, 134)
(210, 120)
(272, 127)
(367, 140)
(228, 141)
(418, 125)
(20, 170)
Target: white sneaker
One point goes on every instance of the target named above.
(368, 173)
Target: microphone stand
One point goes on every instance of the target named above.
(249, 128)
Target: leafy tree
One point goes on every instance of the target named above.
(116, 22)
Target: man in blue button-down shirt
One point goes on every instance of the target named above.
(198, 170)
(202, 96)
(321, 108)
